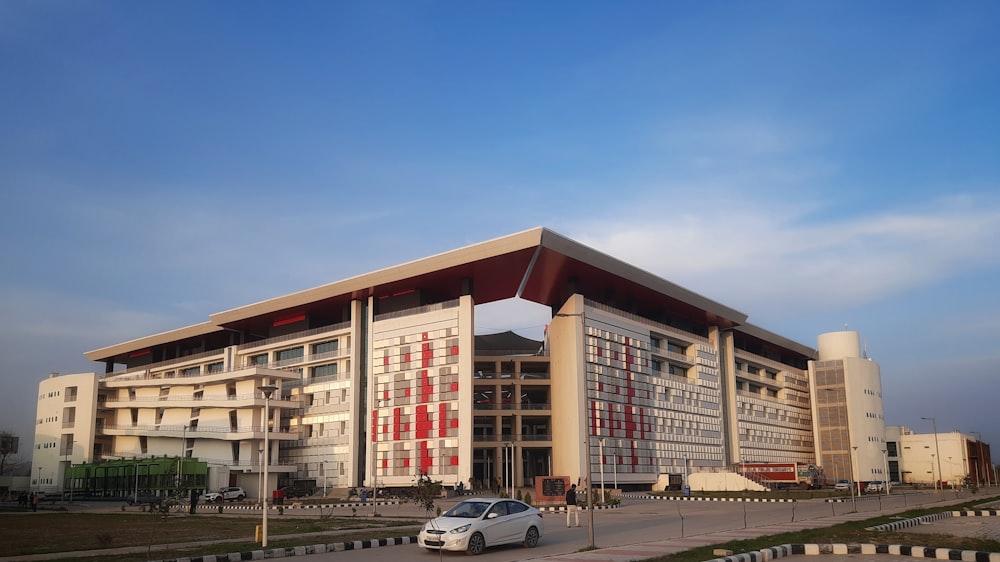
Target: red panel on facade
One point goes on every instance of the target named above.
(454, 461)
(423, 336)
(443, 420)
(289, 319)
(454, 422)
(423, 426)
(374, 427)
(385, 463)
(454, 387)
(385, 395)
(406, 463)
(454, 350)
(385, 361)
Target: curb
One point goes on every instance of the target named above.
(561, 509)
(241, 507)
(845, 549)
(897, 525)
(692, 499)
(297, 550)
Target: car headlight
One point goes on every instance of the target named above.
(462, 529)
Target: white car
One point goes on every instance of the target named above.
(475, 524)
(225, 494)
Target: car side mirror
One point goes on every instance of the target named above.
(492, 515)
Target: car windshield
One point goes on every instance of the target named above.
(467, 510)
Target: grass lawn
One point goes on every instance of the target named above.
(64, 532)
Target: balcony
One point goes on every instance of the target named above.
(197, 432)
(673, 356)
(148, 377)
(220, 400)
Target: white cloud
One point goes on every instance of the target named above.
(777, 253)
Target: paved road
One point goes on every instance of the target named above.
(679, 524)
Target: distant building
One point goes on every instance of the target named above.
(848, 417)
(951, 459)
(381, 379)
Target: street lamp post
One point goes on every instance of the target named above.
(937, 449)
(180, 469)
(39, 480)
(601, 456)
(69, 462)
(267, 390)
(854, 484)
(885, 480)
(375, 466)
(590, 496)
(614, 465)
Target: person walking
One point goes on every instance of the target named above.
(571, 507)
(34, 502)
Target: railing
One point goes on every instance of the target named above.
(673, 355)
(509, 375)
(767, 361)
(220, 397)
(145, 375)
(511, 438)
(418, 310)
(294, 336)
(68, 424)
(191, 430)
(542, 352)
(509, 406)
(314, 380)
(662, 328)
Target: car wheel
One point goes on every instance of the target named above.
(531, 538)
(240, 497)
(477, 544)
(218, 499)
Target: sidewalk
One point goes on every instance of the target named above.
(985, 527)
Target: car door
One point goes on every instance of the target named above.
(520, 519)
(496, 524)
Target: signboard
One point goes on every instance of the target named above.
(551, 489)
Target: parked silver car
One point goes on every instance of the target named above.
(229, 493)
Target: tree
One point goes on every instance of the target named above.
(426, 492)
(8, 446)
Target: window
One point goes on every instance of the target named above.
(293, 353)
(259, 359)
(326, 347)
(323, 370)
(191, 372)
(214, 367)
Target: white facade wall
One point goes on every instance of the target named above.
(919, 461)
(64, 428)
(421, 395)
(848, 411)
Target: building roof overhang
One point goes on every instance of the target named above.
(537, 265)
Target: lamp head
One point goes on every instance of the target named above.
(267, 389)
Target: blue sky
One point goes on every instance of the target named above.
(812, 164)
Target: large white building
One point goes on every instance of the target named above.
(381, 379)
